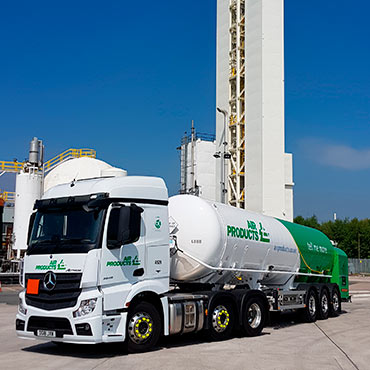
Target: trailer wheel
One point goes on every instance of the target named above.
(335, 304)
(323, 311)
(143, 327)
(309, 313)
(254, 316)
(221, 320)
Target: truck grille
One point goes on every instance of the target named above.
(60, 325)
(65, 294)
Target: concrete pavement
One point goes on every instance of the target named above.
(336, 343)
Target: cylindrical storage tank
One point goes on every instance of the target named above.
(79, 169)
(222, 236)
(28, 188)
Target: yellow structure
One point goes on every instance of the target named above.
(16, 167)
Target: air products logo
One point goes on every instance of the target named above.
(127, 261)
(53, 265)
(251, 232)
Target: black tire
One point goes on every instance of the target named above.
(221, 316)
(143, 327)
(309, 313)
(335, 307)
(323, 304)
(254, 316)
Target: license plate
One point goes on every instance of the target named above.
(46, 333)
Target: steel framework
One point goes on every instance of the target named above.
(236, 131)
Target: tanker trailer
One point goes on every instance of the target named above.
(114, 259)
(218, 247)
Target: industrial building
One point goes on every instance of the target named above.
(198, 165)
(33, 178)
(255, 171)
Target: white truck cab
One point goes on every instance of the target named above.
(94, 246)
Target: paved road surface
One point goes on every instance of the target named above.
(336, 343)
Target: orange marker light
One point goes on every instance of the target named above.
(33, 286)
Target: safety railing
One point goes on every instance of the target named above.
(68, 154)
(9, 166)
(7, 196)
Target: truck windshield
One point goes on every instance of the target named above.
(65, 231)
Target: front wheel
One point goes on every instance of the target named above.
(254, 316)
(143, 327)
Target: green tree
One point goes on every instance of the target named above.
(346, 234)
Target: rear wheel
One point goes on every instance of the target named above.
(335, 304)
(309, 313)
(323, 309)
(143, 327)
(254, 316)
(222, 319)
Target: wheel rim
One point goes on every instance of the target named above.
(312, 305)
(254, 315)
(140, 327)
(335, 301)
(324, 303)
(220, 318)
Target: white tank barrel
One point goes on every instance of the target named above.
(28, 189)
(227, 237)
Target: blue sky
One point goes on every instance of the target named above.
(126, 78)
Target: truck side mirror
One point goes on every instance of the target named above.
(124, 226)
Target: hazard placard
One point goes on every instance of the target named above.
(33, 286)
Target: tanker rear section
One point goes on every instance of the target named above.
(245, 265)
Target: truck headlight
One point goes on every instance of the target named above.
(87, 306)
(21, 308)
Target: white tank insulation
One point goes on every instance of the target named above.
(78, 169)
(222, 236)
(28, 188)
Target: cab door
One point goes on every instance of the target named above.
(123, 253)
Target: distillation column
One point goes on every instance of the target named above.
(250, 87)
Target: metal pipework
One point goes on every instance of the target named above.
(224, 174)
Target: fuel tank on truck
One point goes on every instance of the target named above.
(222, 236)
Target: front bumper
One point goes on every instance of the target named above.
(95, 327)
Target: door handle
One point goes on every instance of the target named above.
(139, 272)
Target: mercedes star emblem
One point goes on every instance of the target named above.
(50, 280)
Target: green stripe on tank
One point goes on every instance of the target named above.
(316, 250)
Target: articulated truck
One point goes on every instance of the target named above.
(116, 260)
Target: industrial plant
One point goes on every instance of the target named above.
(91, 254)
(244, 164)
